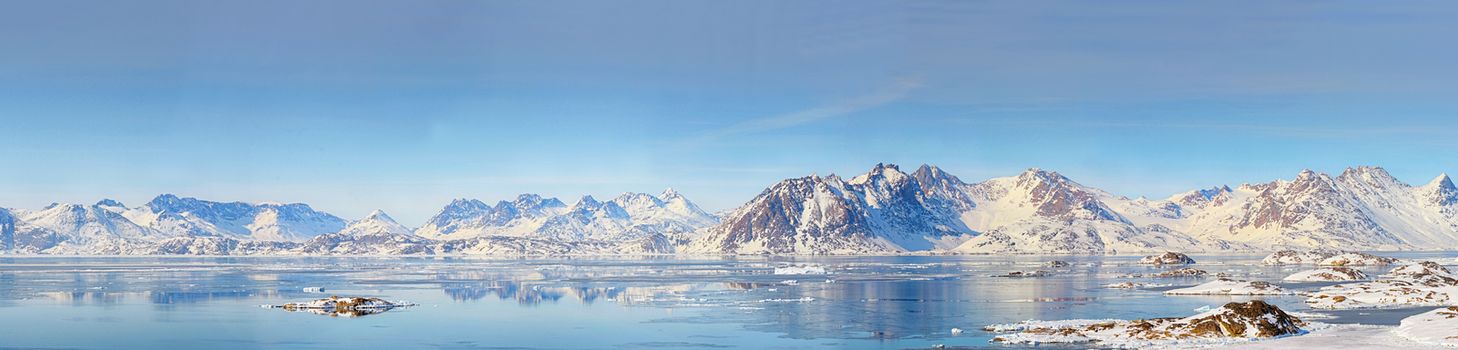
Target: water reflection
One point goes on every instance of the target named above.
(906, 301)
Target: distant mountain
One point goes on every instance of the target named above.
(1363, 208)
(629, 216)
(1044, 212)
(884, 211)
(464, 218)
(178, 216)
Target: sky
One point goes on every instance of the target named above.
(352, 106)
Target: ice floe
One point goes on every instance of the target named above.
(801, 270)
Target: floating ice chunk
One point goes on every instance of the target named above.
(313, 289)
(801, 270)
(956, 331)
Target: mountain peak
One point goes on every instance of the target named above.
(889, 172)
(463, 204)
(1040, 175)
(587, 200)
(669, 193)
(378, 215)
(931, 174)
(1442, 181)
(109, 203)
(1367, 174)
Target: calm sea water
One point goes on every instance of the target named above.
(668, 303)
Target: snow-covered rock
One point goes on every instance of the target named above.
(1325, 274)
(1357, 259)
(1417, 284)
(1183, 272)
(1168, 258)
(1134, 285)
(1245, 321)
(1437, 327)
(1225, 286)
(1299, 257)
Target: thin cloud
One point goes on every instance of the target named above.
(889, 94)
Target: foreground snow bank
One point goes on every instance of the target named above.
(1324, 274)
(1418, 284)
(1439, 327)
(1232, 322)
(1225, 286)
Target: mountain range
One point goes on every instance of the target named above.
(883, 211)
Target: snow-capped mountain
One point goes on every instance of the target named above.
(465, 218)
(376, 223)
(81, 223)
(630, 216)
(884, 210)
(184, 216)
(1044, 212)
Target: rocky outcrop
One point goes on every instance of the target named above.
(1233, 321)
(1418, 284)
(1168, 258)
(1327, 274)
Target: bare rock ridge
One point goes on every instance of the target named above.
(882, 211)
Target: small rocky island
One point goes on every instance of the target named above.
(335, 306)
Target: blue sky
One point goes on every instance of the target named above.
(404, 105)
